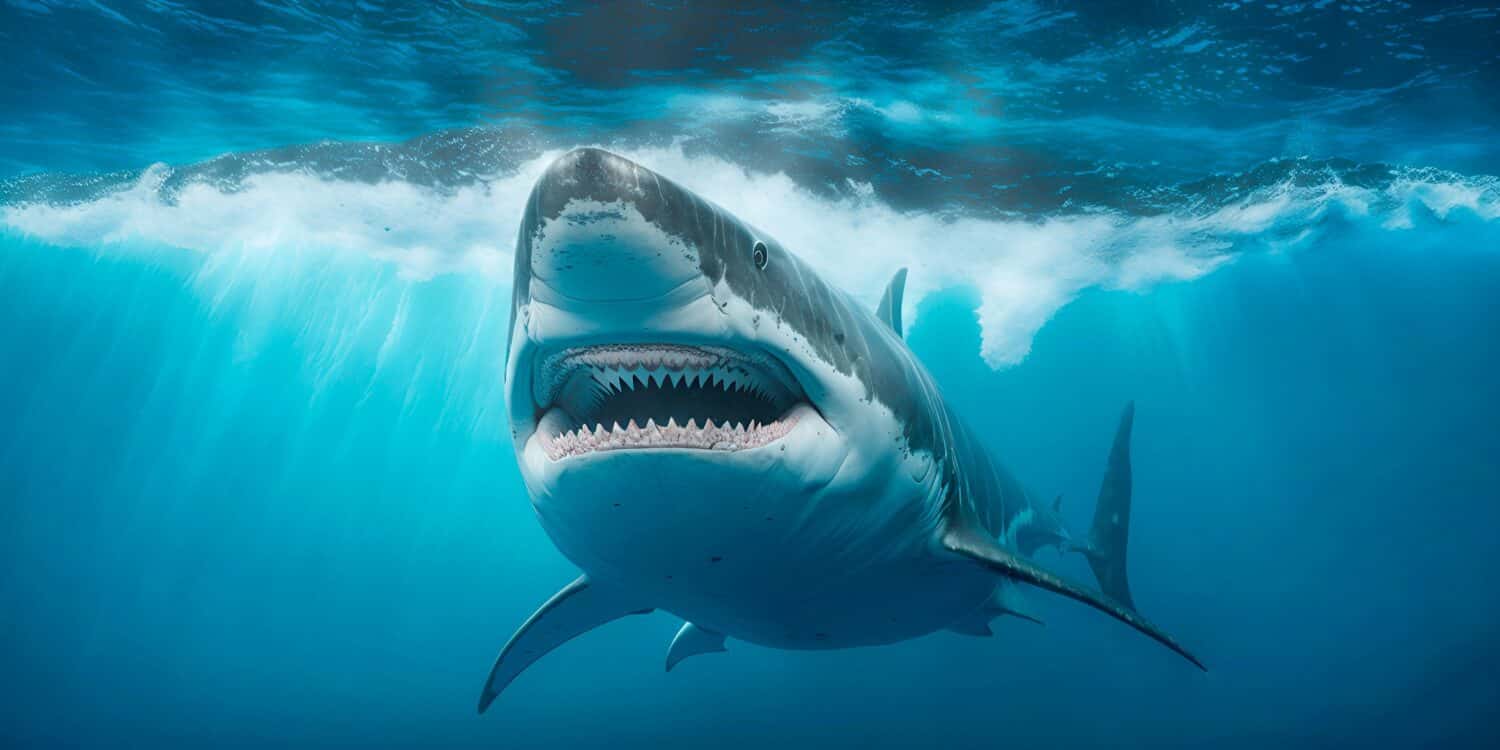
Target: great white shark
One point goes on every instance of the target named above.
(708, 428)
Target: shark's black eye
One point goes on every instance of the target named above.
(759, 255)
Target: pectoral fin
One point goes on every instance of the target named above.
(692, 640)
(979, 548)
(577, 609)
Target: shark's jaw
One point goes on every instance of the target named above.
(661, 396)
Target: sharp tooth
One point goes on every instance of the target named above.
(709, 425)
(691, 425)
(598, 431)
(632, 426)
(650, 425)
(616, 429)
(671, 423)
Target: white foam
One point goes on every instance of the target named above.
(423, 231)
(1024, 270)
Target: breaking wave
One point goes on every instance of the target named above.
(452, 204)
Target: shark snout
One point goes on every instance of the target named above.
(601, 228)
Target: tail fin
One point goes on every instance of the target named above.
(1105, 550)
(1110, 534)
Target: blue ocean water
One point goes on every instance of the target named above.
(257, 483)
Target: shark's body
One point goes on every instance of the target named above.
(836, 500)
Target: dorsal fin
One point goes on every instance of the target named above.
(890, 302)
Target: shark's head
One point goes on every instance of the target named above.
(681, 386)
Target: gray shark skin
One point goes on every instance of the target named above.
(708, 428)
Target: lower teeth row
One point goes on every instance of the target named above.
(710, 436)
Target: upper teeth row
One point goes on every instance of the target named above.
(632, 360)
(625, 379)
(634, 357)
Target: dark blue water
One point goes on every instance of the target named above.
(254, 282)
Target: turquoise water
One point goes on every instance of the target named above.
(257, 482)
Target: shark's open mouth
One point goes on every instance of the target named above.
(645, 396)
